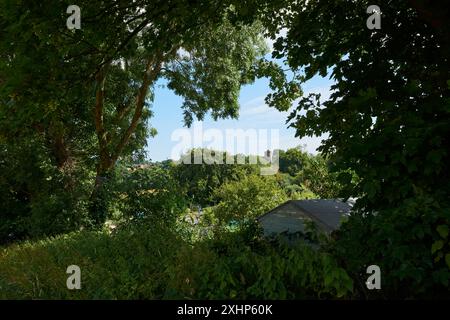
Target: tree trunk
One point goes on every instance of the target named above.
(98, 201)
(108, 154)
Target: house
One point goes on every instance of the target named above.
(291, 216)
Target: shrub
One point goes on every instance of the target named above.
(409, 243)
(149, 194)
(248, 198)
(234, 270)
(142, 262)
(38, 198)
(130, 264)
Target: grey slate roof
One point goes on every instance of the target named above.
(328, 213)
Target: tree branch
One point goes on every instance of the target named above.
(151, 73)
(152, 70)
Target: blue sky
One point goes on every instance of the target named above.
(254, 114)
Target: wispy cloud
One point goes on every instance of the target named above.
(257, 110)
(260, 111)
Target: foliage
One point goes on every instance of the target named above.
(128, 264)
(313, 174)
(201, 178)
(151, 262)
(217, 63)
(38, 198)
(90, 90)
(292, 160)
(294, 189)
(317, 176)
(387, 116)
(230, 268)
(387, 122)
(409, 243)
(147, 192)
(247, 198)
(74, 113)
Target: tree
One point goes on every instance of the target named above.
(316, 176)
(201, 180)
(147, 193)
(388, 116)
(292, 160)
(246, 199)
(96, 82)
(310, 174)
(388, 120)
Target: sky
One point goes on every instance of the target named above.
(265, 127)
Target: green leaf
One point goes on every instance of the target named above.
(443, 230)
(437, 246)
(447, 259)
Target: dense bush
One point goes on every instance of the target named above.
(148, 192)
(38, 198)
(238, 268)
(128, 264)
(409, 243)
(152, 262)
